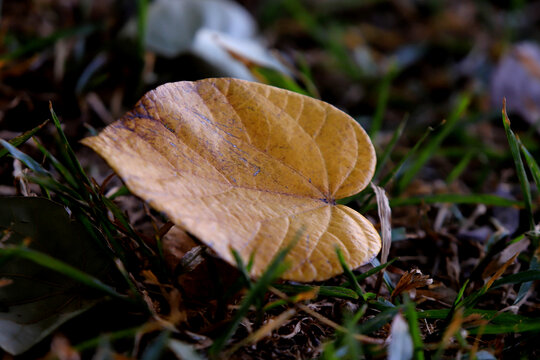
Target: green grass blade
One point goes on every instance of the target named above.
(524, 288)
(500, 322)
(348, 272)
(328, 291)
(460, 167)
(58, 166)
(371, 272)
(382, 101)
(123, 190)
(390, 147)
(49, 183)
(532, 164)
(406, 158)
(42, 43)
(379, 320)
(520, 277)
(70, 154)
(520, 169)
(461, 292)
(531, 325)
(432, 146)
(486, 199)
(21, 139)
(61, 267)
(142, 20)
(243, 269)
(273, 271)
(119, 215)
(278, 79)
(412, 318)
(25, 159)
(388, 176)
(494, 316)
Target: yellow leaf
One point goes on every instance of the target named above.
(244, 165)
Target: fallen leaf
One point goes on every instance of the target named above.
(410, 281)
(246, 166)
(35, 300)
(228, 54)
(173, 24)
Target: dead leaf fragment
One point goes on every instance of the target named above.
(410, 281)
(244, 165)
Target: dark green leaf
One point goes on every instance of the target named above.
(520, 169)
(40, 297)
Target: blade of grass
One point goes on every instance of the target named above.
(520, 169)
(460, 167)
(123, 190)
(61, 267)
(273, 271)
(353, 347)
(51, 184)
(373, 271)
(530, 325)
(382, 100)
(532, 164)
(119, 215)
(412, 319)
(329, 291)
(42, 43)
(432, 146)
(276, 78)
(485, 199)
(21, 139)
(515, 147)
(520, 277)
(58, 166)
(142, 20)
(25, 159)
(306, 76)
(242, 268)
(379, 320)
(390, 147)
(493, 316)
(77, 169)
(534, 265)
(348, 272)
(388, 176)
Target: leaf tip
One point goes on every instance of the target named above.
(504, 113)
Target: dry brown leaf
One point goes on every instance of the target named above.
(410, 281)
(246, 166)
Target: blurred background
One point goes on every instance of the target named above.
(383, 62)
(417, 74)
(95, 59)
(400, 67)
